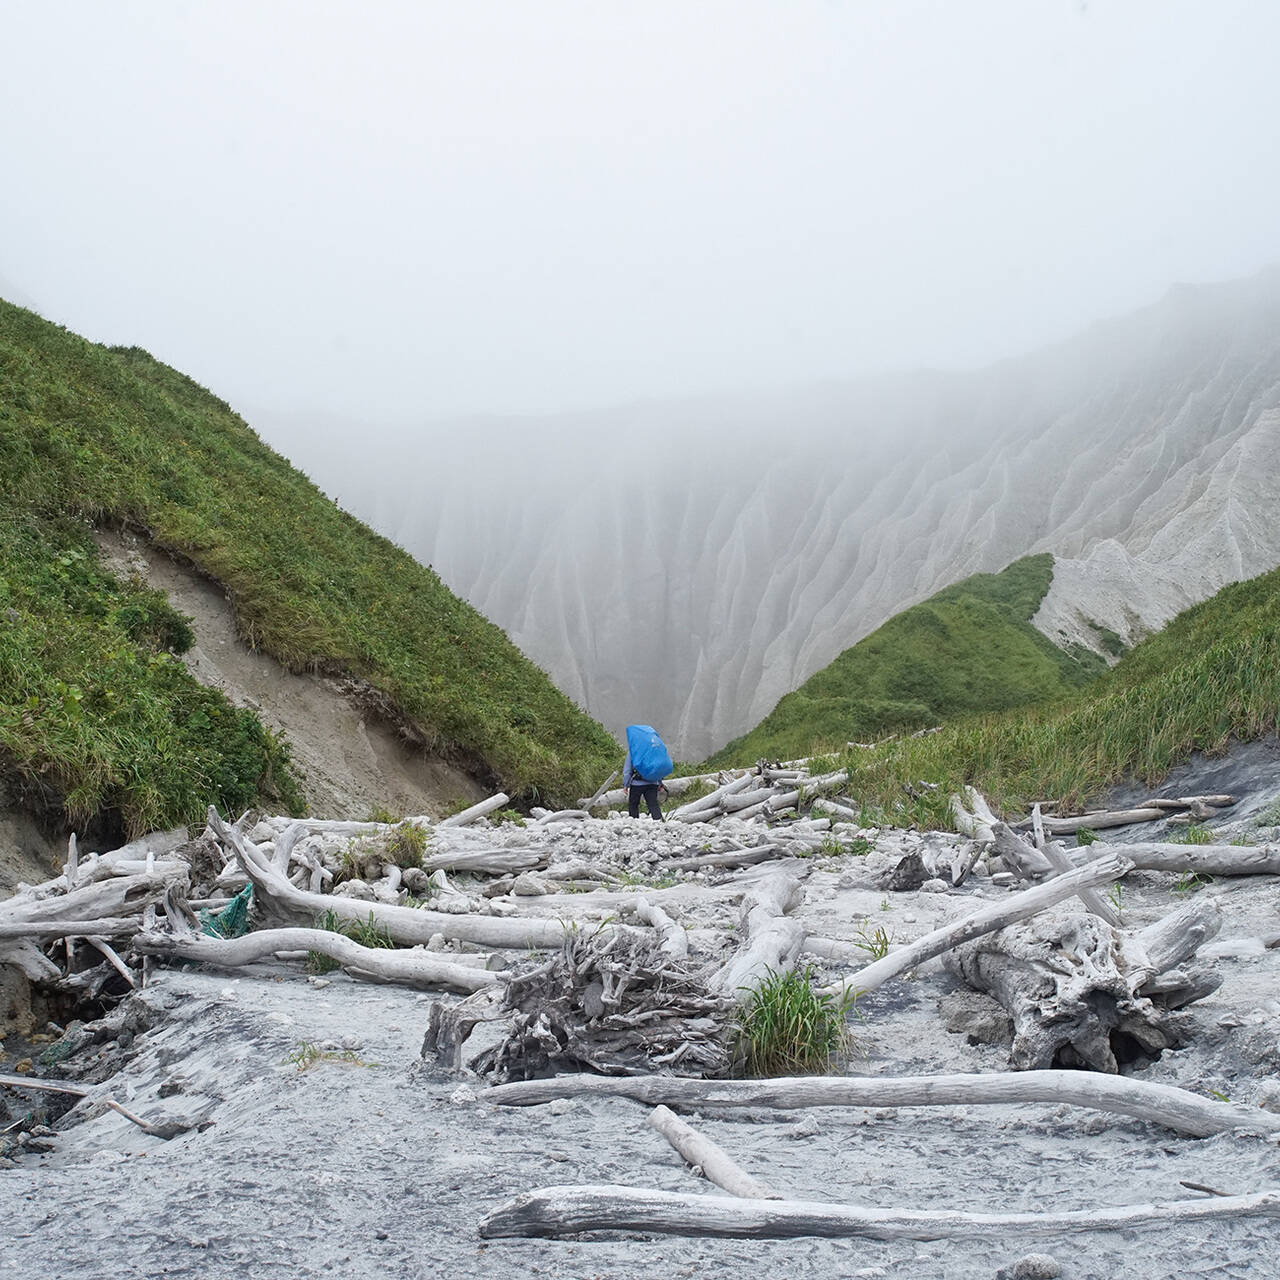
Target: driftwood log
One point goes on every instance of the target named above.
(1159, 1104)
(999, 915)
(611, 1003)
(569, 1210)
(1201, 859)
(1073, 986)
(405, 925)
(411, 968)
(771, 939)
(715, 1164)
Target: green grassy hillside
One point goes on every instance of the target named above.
(96, 710)
(1210, 676)
(969, 648)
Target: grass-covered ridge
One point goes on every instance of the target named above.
(970, 647)
(91, 435)
(1213, 674)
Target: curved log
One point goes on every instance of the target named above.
(1161, 1104)
(405, 925)
(997, 916)
(771, 940)
(565, 1210)
(408, 968)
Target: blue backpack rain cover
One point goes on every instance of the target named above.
(649, 755)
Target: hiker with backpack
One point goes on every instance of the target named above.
(645, 765)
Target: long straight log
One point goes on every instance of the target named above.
(1101, 821)
(44, 1086)
(697, 810)
(476, 811)
(108, 927)
(716, 1164)
(408, 968)
(733, 858)
(594, 799)
(1161, 1104)
(566, 1210)
(1204, 859)
(988, 920)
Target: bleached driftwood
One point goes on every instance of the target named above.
(107, 927)
(700, 810)
(1159, 1104)
(731, 858)
(495, 862)
(410, 968)
(674, 938)
(595, 798)
(404, 925)
(614, 1003)
(1025, 861)
(476, 811)
(1102, 820)
(570, 1210)
(997, 916)
(44, 1086)
(771, 940)
(716, 1164)
(1202, 859)
(1074, 989)
(972, 817)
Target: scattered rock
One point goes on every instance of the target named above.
(909, 874)
(1034, 1266)
(976, 1016)
(934, 886)
(357, 889)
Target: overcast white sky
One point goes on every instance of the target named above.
(410, 210)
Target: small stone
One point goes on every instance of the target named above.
(1035, 1266)
(529, 886)
(934, 886)
(23, 1065)
(463, 1096)
(560, 1106)
(1268, 1096)
(1003, 878)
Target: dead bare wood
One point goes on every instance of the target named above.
(108, 926)
(1025, 861)
(1202, 859)
(613, 1004)
(410, 968)
(1073, 987)
(570, 1210)
(1159, 1104)
(715, 1163)
(591, 803)
(404, 925)
(771, 939)
(674, 938)
(44, 1086)
(997, 916)
(730, 858)
(476, 811)
(1102, 820)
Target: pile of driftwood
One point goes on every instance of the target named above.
(565, 967)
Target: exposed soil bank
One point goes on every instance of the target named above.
(352, 761)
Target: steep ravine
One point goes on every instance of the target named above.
(688, 563)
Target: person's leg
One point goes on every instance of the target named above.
(651, 799)
(633, 801)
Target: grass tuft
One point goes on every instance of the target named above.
(788, 1027)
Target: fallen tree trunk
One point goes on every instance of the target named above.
(476, 811)
(567, 1210)
(1160, 1104)
(716, 1164)
(771, 939)
(107, 927)
(674, 937)
(1102, 820)
(1203, 859)
(385, 964)
(731, 858)
(997, 916)
(1072, 985)
(44, 1086)
(405, 925)
(495, 862)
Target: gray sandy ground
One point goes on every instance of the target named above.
(369, 1169)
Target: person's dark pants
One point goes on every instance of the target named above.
(650, 793)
